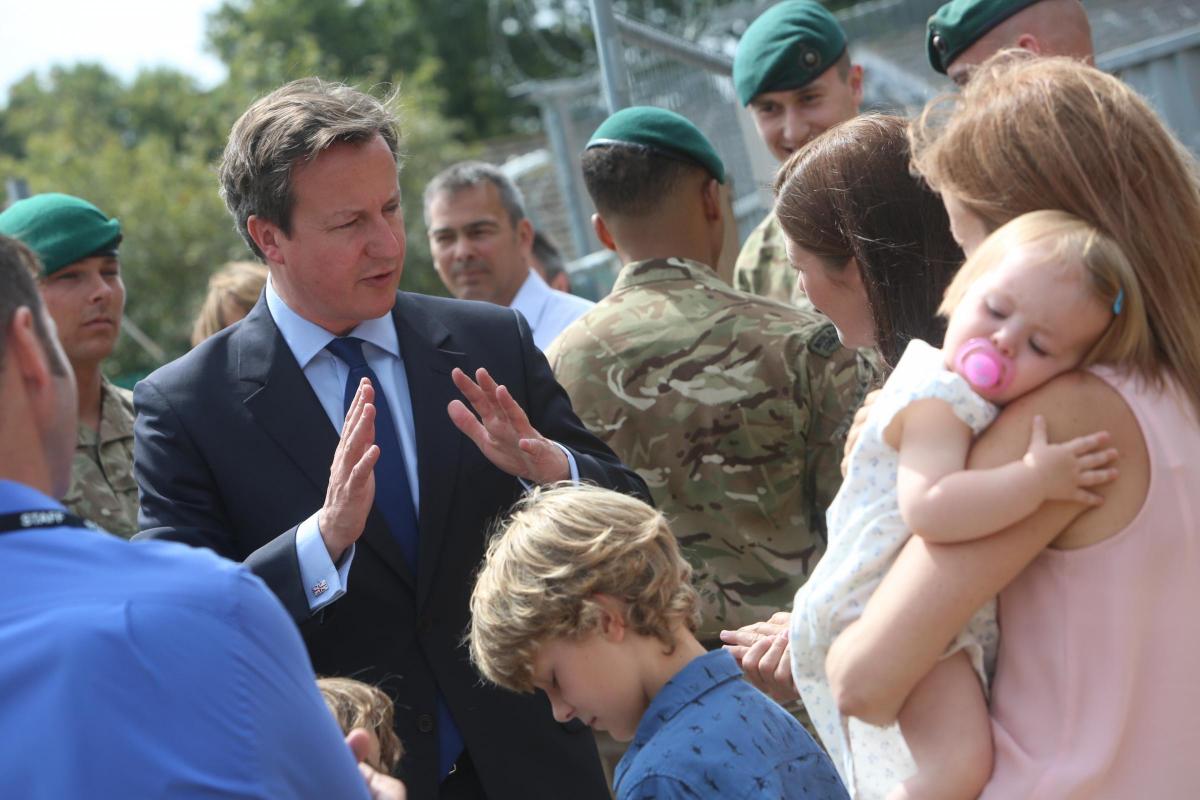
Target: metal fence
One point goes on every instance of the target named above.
(644, 65)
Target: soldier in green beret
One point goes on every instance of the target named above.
(81, 286)
(964, 33)
(731, 406)
(793, 72)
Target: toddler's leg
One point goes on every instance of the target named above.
(945, 723)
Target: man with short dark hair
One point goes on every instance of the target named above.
(375, 554)
(548, 261)
(793, 71)
(134, 671)
(964, 33)
(80, 283)
(481, 242)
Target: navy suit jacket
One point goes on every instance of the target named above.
(233, 451)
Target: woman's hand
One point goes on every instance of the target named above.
(763, 651)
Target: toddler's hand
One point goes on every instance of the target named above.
(1066, 470)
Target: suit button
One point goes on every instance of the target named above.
(424, 723)
(425, 624)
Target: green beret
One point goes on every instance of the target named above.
(960, 23)
(60, 228)
(660, 130)
(788, 46)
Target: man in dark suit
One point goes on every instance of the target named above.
(237, 445)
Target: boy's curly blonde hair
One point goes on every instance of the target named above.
(560, 548)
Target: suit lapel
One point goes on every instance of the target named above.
(283, 403)
(428, 361)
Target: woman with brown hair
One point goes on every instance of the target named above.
(1095, 691)
(872, 243)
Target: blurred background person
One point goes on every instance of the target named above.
(232, 292)
(548, 261)
(481, 242)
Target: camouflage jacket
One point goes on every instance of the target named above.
(102, 485)
(762, 266)
(733, 408)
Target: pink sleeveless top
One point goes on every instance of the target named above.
(1097, 686)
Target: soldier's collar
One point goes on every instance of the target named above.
(659, 270)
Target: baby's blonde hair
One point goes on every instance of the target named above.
(1066, 240)
(562, 547)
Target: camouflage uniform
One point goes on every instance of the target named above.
(762, 266)
(102, 485)
(733, 408)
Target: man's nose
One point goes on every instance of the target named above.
(98, 288)
(795, 128)
(387, 240)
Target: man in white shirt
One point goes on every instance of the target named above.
(481, 242)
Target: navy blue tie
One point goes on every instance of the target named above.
(393, 498)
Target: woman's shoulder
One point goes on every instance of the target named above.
(1076, 404)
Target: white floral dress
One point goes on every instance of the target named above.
(866, 533)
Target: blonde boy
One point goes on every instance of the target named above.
(584, 595)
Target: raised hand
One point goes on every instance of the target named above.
(351, 487)
(502, 431)
(1067, 470)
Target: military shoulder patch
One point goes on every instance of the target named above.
(825, 341)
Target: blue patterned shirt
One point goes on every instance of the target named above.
(708, 733)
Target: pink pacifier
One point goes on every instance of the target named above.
(984, 367)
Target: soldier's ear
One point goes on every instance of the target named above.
(710, 198)
(603, 233)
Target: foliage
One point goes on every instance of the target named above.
(146, 151)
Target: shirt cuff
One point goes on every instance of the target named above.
(323, 580)
(570, 465)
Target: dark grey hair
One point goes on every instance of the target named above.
(468, 174)
(548, 255)
(294, 124)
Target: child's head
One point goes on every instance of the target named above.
(580, 585)
(1050, 293)
(359, 705)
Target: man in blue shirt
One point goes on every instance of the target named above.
(148, 670)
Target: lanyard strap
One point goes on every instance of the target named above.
(43, 518)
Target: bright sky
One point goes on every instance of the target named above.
(123, 35)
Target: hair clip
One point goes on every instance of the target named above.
(1119, 303)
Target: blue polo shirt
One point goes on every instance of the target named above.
(708, 733)
(151, 669)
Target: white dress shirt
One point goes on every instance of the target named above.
(548, 311)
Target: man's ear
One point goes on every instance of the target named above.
(25, 351)
(267, 235)
(855, 79)
(710, 199)
(525, 237)
(603, 233)
(1027, 41)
